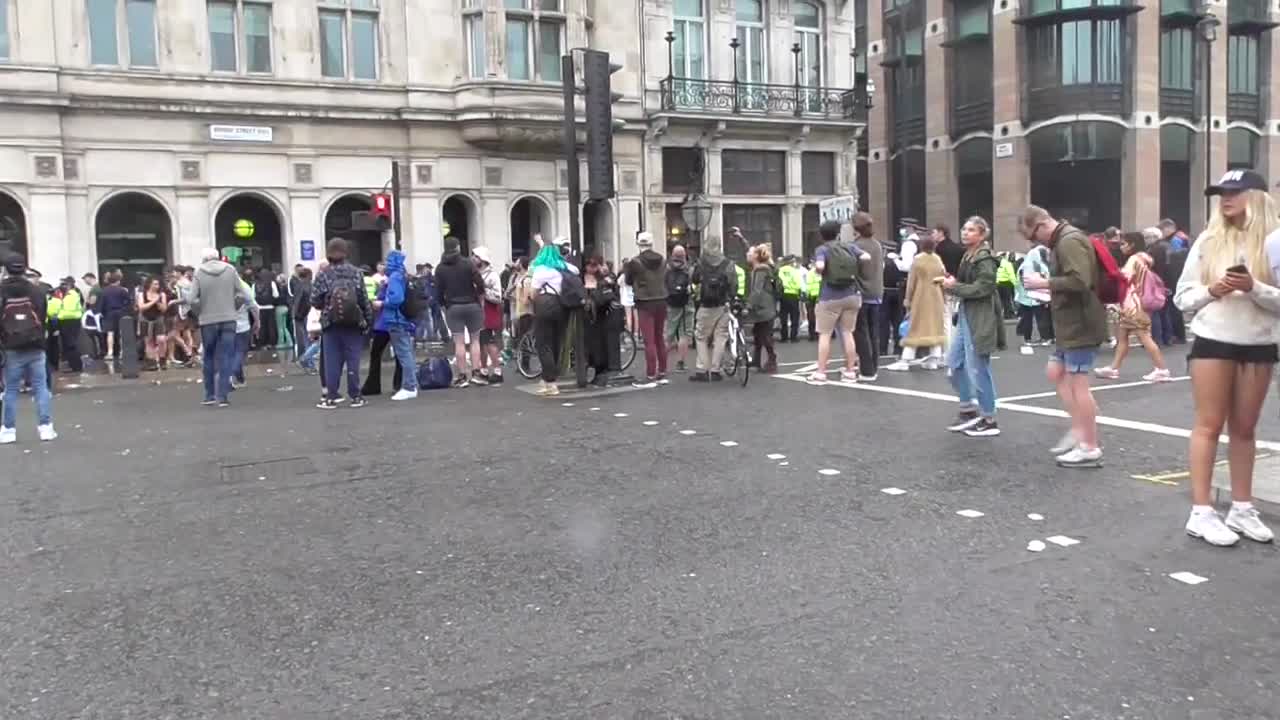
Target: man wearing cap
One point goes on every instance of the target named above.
(646, 273)
(491, 304)
(22, 311)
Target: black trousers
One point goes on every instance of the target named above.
(548, 328)
(888, 322)
(267, 328)
(373, 383)
(603, 335)
(1042, 317)
(762, 334)
(809, 307)
(868, 358)
(70, 333)
(789, 318)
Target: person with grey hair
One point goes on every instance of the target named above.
(216, 295)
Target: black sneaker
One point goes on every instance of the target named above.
(478, 378)
(223, 403)
(460, 382)
(986, 427)
(208, 403)
(716, 377)
(495, 379)
(965, 420)
(698, 377)
(327, 404)
(680, 366)
(357, 402)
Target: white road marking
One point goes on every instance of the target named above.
(594, 409)
(776, 456)
(688, 432)
(729, 443)
(1096, 389)
(1188, 578)
(969, 513)
(1036, 546)
(1034, 516)
(893, 491)
(566, 404)
(784, 463)
(650, 423)
(828, 471)
(1063, 540)
(620, 415)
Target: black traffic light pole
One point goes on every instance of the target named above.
(395, 201)
(570, 141)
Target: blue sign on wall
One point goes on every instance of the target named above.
(308, 250)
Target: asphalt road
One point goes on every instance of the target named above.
(487, 554)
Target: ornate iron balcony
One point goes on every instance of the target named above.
(761, 99)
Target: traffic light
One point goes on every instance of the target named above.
(380, 213)
(596, 70)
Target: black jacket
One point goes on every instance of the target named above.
(951, 253)
(457, 281)
(16, 287)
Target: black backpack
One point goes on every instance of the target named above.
(678, 282)
(20, 324)
(573, 293)
(344, 308)
(716, 285)
(262, 293)
(415, 297)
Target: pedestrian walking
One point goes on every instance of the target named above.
(840, 263)
(680, 310)
(763, 293)
(216, 294)
(925, 305)
(459, 289)
(1133, 318)
(979, 331)
(877, 275)
(1229, 282)
(23, 308)
(646, 275)
(345, 316)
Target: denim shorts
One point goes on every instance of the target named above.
(1077, 361)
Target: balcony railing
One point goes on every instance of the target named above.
(760, 99)
(1244, 106)
(1175, 102)
(1046, 103)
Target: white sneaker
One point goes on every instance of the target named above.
(931, 364)
(1028, 350)
(403, 394)
(899, 366)
(1247, 523)
(8, 436)
(1107, 372)
(1210, 528)
(46, 433)
(1079, 457)
(1067, 442)
(542, 388)
(553, 389)
(1157, 376)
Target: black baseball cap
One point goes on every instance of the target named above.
(1237, 181)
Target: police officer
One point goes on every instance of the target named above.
(70, 311)
(789, 277)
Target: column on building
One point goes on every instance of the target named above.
(306, 217)
(1269, 153)
(793, 211)
(495, 219)
(49, 240)
(715, 194)
(193, 225)
(1141, 162)
(1011, 166)
(877, 118)
(941, 191)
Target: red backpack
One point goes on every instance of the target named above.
(1112, 284)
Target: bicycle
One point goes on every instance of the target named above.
(530, 367)
(737, 349)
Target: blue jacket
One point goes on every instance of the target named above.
(392, 294)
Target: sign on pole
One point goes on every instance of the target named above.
(308, 250)
(840, 208)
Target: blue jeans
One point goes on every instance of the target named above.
(308, 358)
(341, 348)
(242, 354)
(28, 365)
(402, 346)
(219, 340)
(424, 326)
(970, 372)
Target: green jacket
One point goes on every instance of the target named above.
(1079, 317)
(762, 295)
(980, 302)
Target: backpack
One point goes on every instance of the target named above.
(415, 298)
(842, 268)
(573, 293)
(678, 282)
(716, 288)
(343, 308)
(263, 293)
(435, 374)
(20, 325)
(1112, 285)
(1151, 293)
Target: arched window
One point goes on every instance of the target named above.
(1242, 149)
(750, 32)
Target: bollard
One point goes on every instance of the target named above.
(127, 336)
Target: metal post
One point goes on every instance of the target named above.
(395, 201)
(127, 337)
(1208, 123)
(737, 93)
(569, 83)
(795, 52)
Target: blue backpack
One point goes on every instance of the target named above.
(435, 374)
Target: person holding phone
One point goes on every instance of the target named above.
(1229, 282)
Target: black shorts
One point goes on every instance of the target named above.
(1206, 349)
(490, 337)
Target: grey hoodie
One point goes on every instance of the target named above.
(213, 294)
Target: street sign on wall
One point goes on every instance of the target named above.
(240, 133)
(308, 248)
(840, 208)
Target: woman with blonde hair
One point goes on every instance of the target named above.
(762, 301)
(1229, 282)
(926, 309)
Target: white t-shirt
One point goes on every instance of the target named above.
(1238, 318)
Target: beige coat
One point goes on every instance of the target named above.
(924, 302)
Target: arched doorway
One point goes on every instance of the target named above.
(529, 216)
(348, 219)
(1076, 171)
(252, 224)
(597, 229)
(13, 227)
(459, 214)
(133, 234)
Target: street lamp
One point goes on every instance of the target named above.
(871, 91)
(1207, 25)
(696, 212)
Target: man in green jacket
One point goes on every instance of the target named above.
(1080, 326)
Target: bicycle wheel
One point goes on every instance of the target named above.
(627, 354)
(744, 357)
(731, 359)
(527, 362)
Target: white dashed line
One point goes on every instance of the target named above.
(594, 409)
(969, 513)
(1036, 546)
(1188, 578)
(1063, 540)
(729, 443)
(893, 491)
(784, 463)
(566, 404)
(650, 423)
(776, 456)
(620, 415)
(828, 471)
(688, 432)
(1034, 516)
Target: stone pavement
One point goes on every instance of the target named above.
(691, 551)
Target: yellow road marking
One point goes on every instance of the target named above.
(1170, 478)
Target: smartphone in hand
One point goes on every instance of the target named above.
(1238, 269)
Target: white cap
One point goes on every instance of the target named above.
(482, 254)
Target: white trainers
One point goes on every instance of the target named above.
(8, 436)
(46, 433)
(1067, 442)
(1079, 457)
(553, 389)
(931, 364)
(1157, 376)
(899, 366)
(1210, 528)
(1028, 350)
(403, 394)
(1107, 372)
(1247, 523)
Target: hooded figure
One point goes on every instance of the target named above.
(392, 317)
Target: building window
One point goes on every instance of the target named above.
(690, 49)
(1177, 58)
(535, 32)
(226, 45)
(971, 60)
(4, 30)
(349, 39)
(1242, 149)
(473, 30)
(750, 32)
(109, 20)
(904, 34)
(1076, 53)
(1242, 64)
(808, 20)
(753, 172)
(682, 170)
(818, 173)
(760, 224)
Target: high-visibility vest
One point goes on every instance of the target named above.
(742, 280)
(815, 284)
(790, 278)
(370, 287)
(53, 307)
(70, 307)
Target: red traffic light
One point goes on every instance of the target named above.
(381, 204)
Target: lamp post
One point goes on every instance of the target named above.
(734, 44)
(1208, 28)
(696, 213)
(795, 53)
